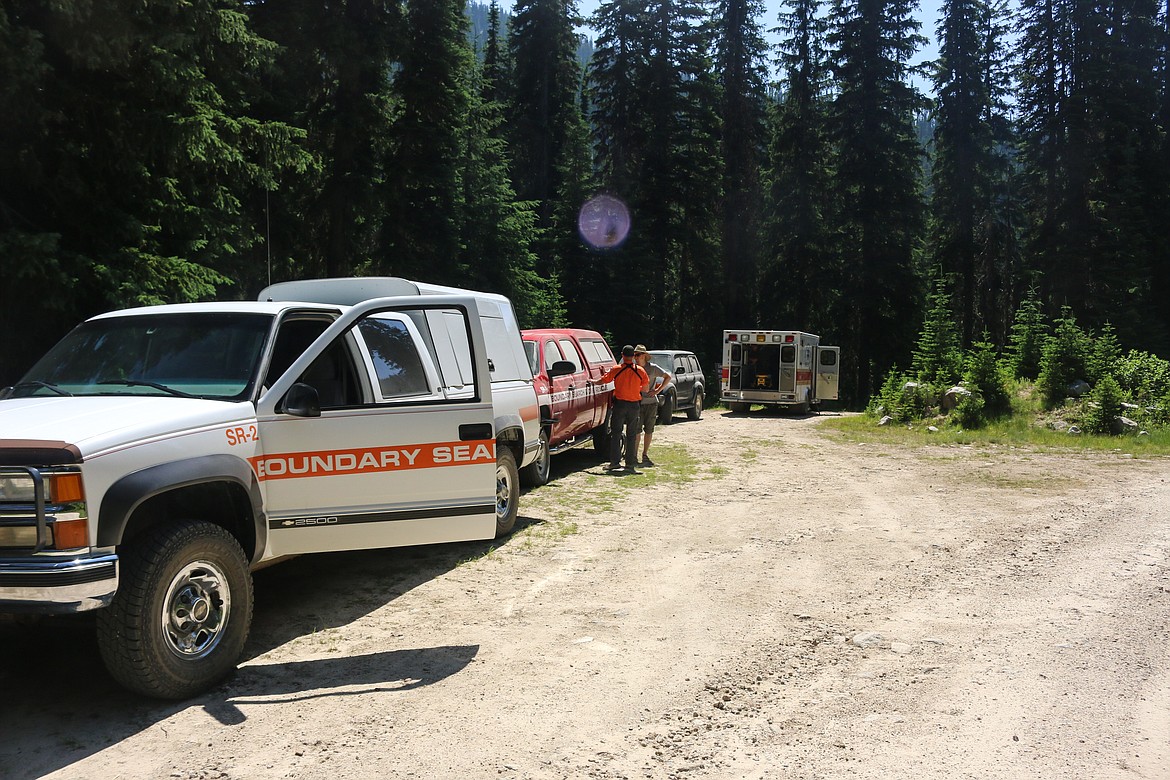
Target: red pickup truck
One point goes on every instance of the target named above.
(571, 412)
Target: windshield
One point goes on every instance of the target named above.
(203, 355)
(663, 361)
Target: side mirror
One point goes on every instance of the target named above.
(302, 401)
(680, 370)
(561, 368)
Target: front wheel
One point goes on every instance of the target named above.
(507, 490)
(666, 410)
(179, 620)
(537, 472)
(696, 410)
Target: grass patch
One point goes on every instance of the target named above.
(1016, 431)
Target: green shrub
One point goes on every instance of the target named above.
(968, 413)
(937, 357)
(900, 402)
(1026, 342)
(1104, 405)
(1144, 378)
(1103, 355)
(984, 377)
(1063, 362)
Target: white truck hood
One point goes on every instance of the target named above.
(97, 423)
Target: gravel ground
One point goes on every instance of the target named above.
(771, 601)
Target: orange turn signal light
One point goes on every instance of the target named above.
(68, 534)
(66, 489)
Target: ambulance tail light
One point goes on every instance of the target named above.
(725, 372)
(732, 337)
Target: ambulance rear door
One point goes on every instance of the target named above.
(828, 373)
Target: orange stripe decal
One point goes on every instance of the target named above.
(530, 413)
(370, 460)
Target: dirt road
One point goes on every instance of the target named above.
(770, 602)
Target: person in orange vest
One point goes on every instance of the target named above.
(629, 382)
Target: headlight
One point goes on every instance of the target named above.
(18, 489)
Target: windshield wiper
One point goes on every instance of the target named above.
(144, 383)
(37, 383)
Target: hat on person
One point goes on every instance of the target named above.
(640, 349)
(627, 351)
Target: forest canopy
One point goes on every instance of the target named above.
(166, 152)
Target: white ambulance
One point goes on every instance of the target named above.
(156, 456)
(785, 368)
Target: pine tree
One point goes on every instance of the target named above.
(655, 118)
(740, 63)
(876, 179)
(1064, 359)
(133, 170)
(1029, 333)
(800, 209)
(547, 134)
(423, 187)
(335, 60)
(938, 358)
(968, 235)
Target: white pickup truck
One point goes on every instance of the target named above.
(155, 456)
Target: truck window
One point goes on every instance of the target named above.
(828, 358)
(395, 357)
(292, 339)
(597, 352)
(788, 354)
(569, 350)
(552, 353)
(209, 355)
(694, 364)
(334, 376)
(532, 353)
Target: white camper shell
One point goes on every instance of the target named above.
(785, 368)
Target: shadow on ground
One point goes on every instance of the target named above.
(59, 705)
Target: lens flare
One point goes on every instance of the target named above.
(604, 222)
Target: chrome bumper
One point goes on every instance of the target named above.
(57, 585)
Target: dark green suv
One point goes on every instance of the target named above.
(687, 392)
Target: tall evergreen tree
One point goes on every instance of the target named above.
(335, 64)
(876, 179)
(742, 69)
(971, 224)
(548, 137)
(424, 191)
(131, 166)
(802, 272)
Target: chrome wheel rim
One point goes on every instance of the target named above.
(503, 491)
(195, 610)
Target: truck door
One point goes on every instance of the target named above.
(393, 457)
(828, 373)
(580, 397)
(560, 394)
(787, 382)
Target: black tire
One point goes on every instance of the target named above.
(179, 620)
(536, 473)
(507, 490)
(666, 410)
(601, 438)
(696, 410)
(738, 407)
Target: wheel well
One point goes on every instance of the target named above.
(512, 438)
(223, 503)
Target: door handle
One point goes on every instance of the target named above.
(476, 432)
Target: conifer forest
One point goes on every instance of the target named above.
(791, 170)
